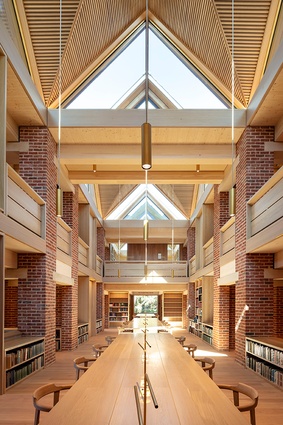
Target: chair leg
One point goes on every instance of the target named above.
(252, 416)
(36, 417)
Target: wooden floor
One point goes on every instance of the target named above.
(16, 405)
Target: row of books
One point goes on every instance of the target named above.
(82, 338)
(15, 375)
(23, 354)
(266, 352)
(83, 329)
(268, 372)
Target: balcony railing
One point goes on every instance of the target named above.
(64, 237)
(265, 216)
(24, 205)
(137, 269)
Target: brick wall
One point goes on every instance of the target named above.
(255, 167)
(37, 293)
(101, 243)
(11, 306)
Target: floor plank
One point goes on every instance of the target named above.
(16, 405)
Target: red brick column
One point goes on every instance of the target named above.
(69, 294)
(255, 167)
(37, 293)
(221, 294)
(191, 250)
(101, 242)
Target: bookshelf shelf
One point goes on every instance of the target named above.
(23, 356)
(265, 357)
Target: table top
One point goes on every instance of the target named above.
(105, 393)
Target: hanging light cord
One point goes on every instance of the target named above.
(146, 60)
(233, 95)
(59, 92)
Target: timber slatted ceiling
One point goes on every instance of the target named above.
(97, 26)
(92, 27)
(43, 19)
(250, 18)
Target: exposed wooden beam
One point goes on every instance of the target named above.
(137, 177)
(195, 118)
(111, 153)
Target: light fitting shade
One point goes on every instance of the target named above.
(232, 201)
(145, 230)
(59, 202)
(146, 145)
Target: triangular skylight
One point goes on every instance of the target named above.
(173, 76)
(146, 200)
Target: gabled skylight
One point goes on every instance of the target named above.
(146, 200)
(173, 75)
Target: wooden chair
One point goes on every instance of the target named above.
(99, 349)
(43, 391)
(81, 364)
(109, 339)
(207, 364)
(190, 348)
(181, 339)
(248, 402)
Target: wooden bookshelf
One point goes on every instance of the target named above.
(23, 356)
(118, 309)
(173, 307)
(58, 339)
(202, 324)
(82, 332)
(264, 355)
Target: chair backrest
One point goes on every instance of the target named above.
(81, 364)
(243, 405)
(207, 364)
(43, 391)
(190, 348)
(98, 349)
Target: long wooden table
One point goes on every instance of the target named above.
(184, 392)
